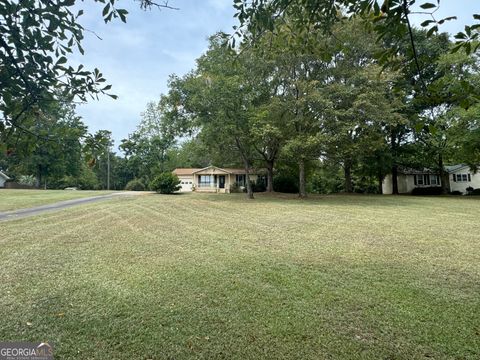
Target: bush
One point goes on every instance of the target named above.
(285, 184)
(475, 192)
(135, 185)
(27, 180)
(165, 183)
(433, 190)
(257, 186)
(456, 192)
(235, 188)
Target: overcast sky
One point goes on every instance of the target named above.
(137, 57)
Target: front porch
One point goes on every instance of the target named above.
(212, 180)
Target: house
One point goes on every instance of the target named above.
(212, 179)
(459, 179)
(3, 179)
(408, 179)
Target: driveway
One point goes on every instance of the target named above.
(22, 213)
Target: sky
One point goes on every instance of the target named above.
(138, 57)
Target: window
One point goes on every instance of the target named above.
(240, 180)
(204, 180)
(462, 177)
(419, 179)
(434, 180)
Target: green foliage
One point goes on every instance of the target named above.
(26, 180)
(165, 183)
(135, 185)
(285, 183)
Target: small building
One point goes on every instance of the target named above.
(461, 178)
(408, 179)
(3, 179)
(212, 179)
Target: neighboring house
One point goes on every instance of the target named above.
(211, 179)
(460, 178)
(408, 179)
(3, 179)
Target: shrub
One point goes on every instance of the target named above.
(456, 192)
(475, 192)
(235, 188)
(433, 190)
(469, 190)
(285, 184)
(257, 186)
(27, 180)
(135, 185)
(165, 183)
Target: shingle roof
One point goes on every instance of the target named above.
(191, 171)
(453, 168)
(185, 171)
(407, 170)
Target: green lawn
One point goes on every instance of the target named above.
(220, 277)
(18, 199)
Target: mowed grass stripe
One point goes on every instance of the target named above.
(327, 278)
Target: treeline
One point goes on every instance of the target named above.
(54, 150)
(325, 116)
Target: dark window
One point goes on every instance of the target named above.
(419, 179)
(454, 178)
(240, 180)
(204, 180)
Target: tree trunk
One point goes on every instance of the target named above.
(302, 191)
(380, 183)
(395, 179)
(38, 178)
(270, 176)
(443, 175)
(393, 145)
(248, 183)
(348, 177)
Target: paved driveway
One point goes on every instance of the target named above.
(22, 213)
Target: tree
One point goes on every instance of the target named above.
(218, 100)
(36, 38)
(165, 183)
(37, 148)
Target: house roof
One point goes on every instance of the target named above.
(185, 171)
(453, 168)
(191, 171)
(4, 176)
(408, 171)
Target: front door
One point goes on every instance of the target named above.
(221, 181)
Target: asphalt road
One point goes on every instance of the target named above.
(22, 213)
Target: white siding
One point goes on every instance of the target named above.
(2, 181)
(463, 185)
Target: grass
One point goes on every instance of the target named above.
(220, 277)
(11, 199)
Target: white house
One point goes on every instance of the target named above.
(460, 177)
(3, 179)
(408, 179)
(211, 179)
